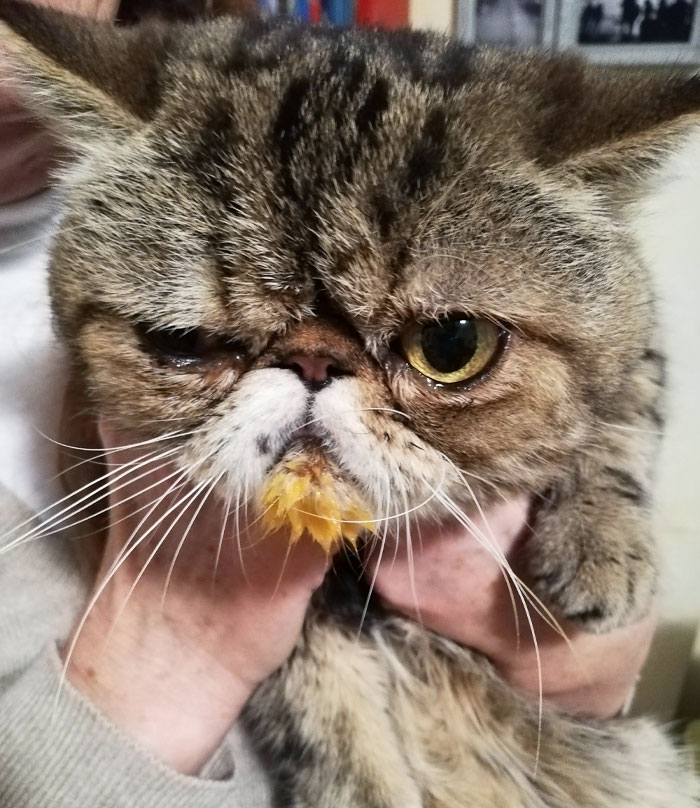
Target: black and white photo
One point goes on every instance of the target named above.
(616, 22)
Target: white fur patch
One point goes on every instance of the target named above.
(253, 427)
(395, 467)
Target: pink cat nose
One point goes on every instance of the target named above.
(314, 369)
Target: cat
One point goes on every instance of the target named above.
(449, 225)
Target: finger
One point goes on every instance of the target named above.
(488, 534)
(275, 564)
(595, 676)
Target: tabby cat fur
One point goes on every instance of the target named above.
(314, 190)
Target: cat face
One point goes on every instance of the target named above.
(391, 207)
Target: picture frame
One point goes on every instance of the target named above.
(471, 14)
(561, 27)
(628, 42)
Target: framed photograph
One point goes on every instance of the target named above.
(507, 23)
(631, 31)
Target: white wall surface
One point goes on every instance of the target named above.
(668, 226)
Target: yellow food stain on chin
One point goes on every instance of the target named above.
(301, 495)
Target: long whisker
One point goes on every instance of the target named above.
(206, 496)
(185, 502)
(58, 502)
(237, 528)
(275, 591)
(627, 428)
(491, 544)
(389, 518)
(219, 546)
(98, 454)
(21, 244)
(51, 525)
(498, 555)
(373, 582)
(102, 451)
(483, 480)
(504, 570)
(409, 557)
(178, 484)
(46, 234)
(131, 496)
(122, 557)
(351, 412)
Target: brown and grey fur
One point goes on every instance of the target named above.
(315, 190)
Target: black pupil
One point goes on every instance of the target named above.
(449, 345)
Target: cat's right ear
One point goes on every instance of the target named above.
(86, 80)
(616, 129)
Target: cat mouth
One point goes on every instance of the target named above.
(306, 492)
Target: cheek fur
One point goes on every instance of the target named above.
(515, 427)
(139, 392)
(395, 468)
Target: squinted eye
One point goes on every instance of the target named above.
(178, 341)
(454, 349)
(184, 347)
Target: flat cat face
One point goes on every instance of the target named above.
(428, 221)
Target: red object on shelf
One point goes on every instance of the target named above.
(384, 13)
(315, 10)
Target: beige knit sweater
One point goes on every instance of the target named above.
(56, 750)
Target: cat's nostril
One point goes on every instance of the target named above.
(314, 369)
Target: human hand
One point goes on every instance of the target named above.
(180, 631)
(26, 149)
(459, 592)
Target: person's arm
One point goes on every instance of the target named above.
(186, 619)
(173, 659)
(56, 749)
(156, 676)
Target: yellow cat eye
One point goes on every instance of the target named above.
(452, 349)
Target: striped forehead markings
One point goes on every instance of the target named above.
(376, 103)
(428, 155)
(289, 128)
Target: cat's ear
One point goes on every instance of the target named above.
(617, 129)
(85, 79)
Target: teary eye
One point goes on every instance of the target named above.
(177, 341)
(183, 347)
(456, 348)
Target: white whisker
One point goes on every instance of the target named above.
(237, 528)
(503, 563)
(51, 525)
(179, 483)
(58, 502)
(393, 516)
(224, 521)
(121, 559)
(102, 451)
(206, 496)
(352, 412)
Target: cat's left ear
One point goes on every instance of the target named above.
(616, 129)
(86, 80)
